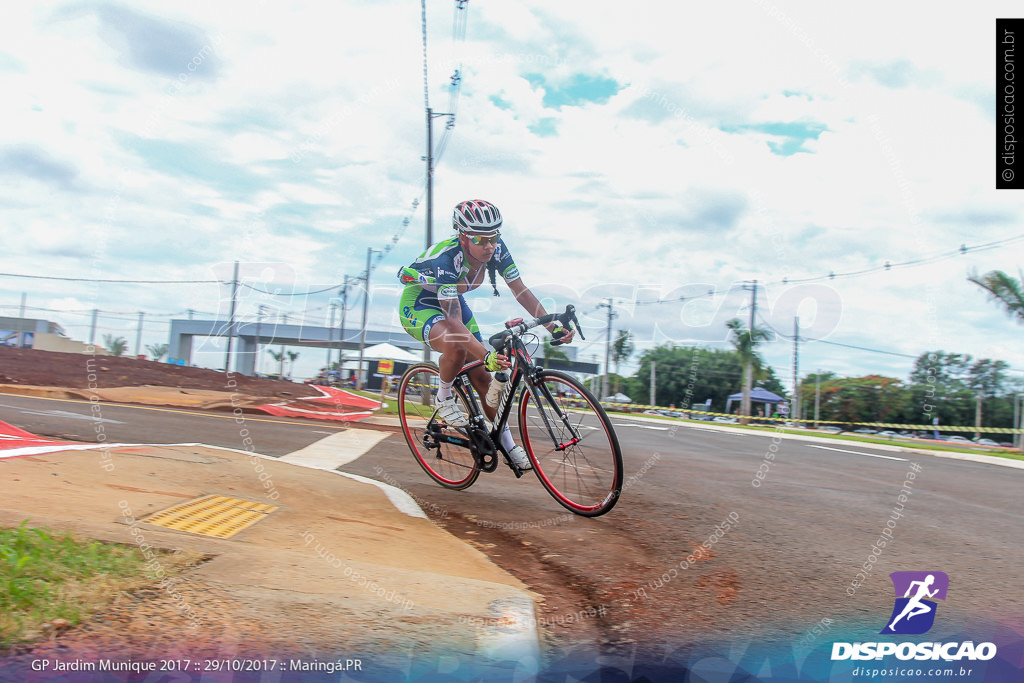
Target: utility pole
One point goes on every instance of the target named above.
(256, 356)
(748, 369)
(796, 370)
(341, 336)
(977, 415)
(817, 397)
(138, 336)
(280, 369)
(430, 189)
(92, 327)
(430, 178)
(652, 403)
(362, 336)
(607, 348)
(21, 322)
(231, 319)
(330, 333)
(1020, 422)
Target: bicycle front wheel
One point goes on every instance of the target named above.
(572, 444)
(450, 466)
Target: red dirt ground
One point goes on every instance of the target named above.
(82, 371)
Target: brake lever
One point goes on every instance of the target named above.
(576, 325)
(566, 319)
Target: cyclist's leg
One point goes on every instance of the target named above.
(461, 345)
(423, 319)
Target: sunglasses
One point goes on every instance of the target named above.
(479, 240)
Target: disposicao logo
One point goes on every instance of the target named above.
(914, 610)
(913, 613)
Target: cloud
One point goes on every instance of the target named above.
(642, 152)
(34, 163)
(897, 73)
(149, 43)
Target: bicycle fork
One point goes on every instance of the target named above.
(550, 399)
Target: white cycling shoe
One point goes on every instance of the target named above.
(450, 413)
(519, 457)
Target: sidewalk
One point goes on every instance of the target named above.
(333, 565)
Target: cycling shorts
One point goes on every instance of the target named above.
(419, 310)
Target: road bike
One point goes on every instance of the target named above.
(564, 429)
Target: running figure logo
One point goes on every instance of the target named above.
(914, 613)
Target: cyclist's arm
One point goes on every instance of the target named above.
(531, 303)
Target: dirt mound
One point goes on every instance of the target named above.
(82, 371)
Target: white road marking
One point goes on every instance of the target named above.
(336, 450)
(843, 450)
(722, 431)
(633, 424)
(62, 413)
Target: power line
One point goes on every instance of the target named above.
(921, 261)
(126, 282)
(426, 76)
(863, 348)
(710, 292)
(823, 341)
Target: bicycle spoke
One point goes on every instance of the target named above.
(575, 451)
(450, 465)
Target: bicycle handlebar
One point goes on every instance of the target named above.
(567, 319)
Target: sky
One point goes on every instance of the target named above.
(659, 156)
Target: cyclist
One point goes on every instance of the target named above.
(434, 311)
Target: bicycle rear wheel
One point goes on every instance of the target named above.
(572, 444)
(449, 465)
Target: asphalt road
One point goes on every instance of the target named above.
(781, 552)
(72, 420)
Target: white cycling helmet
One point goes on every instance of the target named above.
(477, 216)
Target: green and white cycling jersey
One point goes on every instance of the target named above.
(441, 273)
(442, 269)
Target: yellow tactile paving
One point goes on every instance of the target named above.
(217, 516)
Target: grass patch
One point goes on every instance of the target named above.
(47, 575)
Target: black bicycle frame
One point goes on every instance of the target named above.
(484, 445)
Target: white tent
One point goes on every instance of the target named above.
(385, 351)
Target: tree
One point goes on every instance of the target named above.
(688, 375)
(622, 348)
(292, 355)
(279, 357)
(745, 341)
(157, 351)
(959, 390)
(1003, 289)
(116, 345)
(549, 352)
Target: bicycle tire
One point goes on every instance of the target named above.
(451, 466)
(583, 474)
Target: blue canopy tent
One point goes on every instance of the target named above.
(757, 395)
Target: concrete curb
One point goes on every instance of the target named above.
(954, 455)
(503, 629)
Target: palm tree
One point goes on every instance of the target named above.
(1003, 289)
(622, 348)
(292, 355)
(549, 352)
(116, 345)
(279, 357)
(746, 343)
(157, 350)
